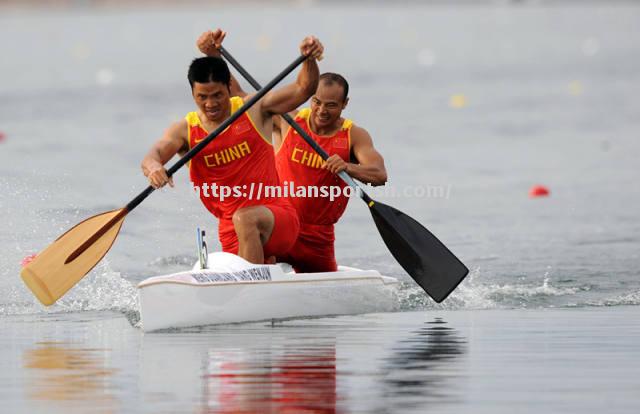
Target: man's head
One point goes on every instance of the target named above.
(209, 78)
(330, 99)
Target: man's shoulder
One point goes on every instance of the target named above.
(239, 100)
(301, 113)
(184, 122)
(358, 131)
(180, 128)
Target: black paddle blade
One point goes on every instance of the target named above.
(420, 253)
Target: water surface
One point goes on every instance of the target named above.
(483, 100)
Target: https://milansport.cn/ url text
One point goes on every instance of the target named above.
(260, 191)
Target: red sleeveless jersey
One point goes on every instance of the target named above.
(298, 163)
(240, 159)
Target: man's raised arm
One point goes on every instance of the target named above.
(209, 43)
(291, 96)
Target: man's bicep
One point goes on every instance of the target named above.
(283, 100)
(363, 149)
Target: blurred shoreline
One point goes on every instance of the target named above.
(172, 4)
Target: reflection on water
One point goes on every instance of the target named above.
(293, 375)
(333, 366)
(285, 380)
(62, 372)
(418, 368)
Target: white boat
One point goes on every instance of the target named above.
(232, 290)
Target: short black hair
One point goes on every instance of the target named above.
(209, 69)
(330, 78)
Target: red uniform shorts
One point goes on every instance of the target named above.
(313, 251)
(283, 236)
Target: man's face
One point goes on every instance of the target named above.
(327, 104)
(212, 99)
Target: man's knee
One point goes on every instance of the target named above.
(245, 221)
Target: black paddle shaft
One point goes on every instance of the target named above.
(425, 258)
(286, 117)
(254, 83)
(193, 151)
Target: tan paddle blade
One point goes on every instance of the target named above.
(60, 266)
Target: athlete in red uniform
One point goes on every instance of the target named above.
(350, 149)
(240, 160)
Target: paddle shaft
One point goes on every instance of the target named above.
(193, 151)
(425, 258)
(343, 174)
(187, 157)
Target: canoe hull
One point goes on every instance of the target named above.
(181, 305)
(205, 297)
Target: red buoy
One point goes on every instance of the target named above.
(2, 136)
(27, 260)
(538, 191)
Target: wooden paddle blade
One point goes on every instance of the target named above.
(420, 253)
(49, 277)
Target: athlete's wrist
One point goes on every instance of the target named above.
(349, 168)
